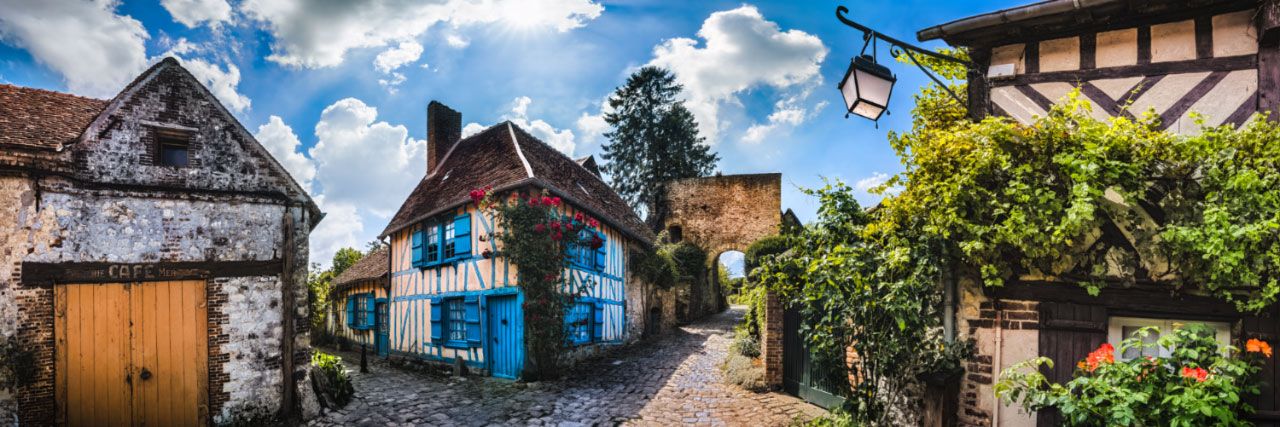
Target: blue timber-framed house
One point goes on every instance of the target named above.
(448, 301)
(359, 311)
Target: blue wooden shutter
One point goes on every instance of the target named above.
(601, 258)
(351, 310)
(437, 321)
(462, 236)
(597, 322)
(472, 306)
(418, 260)
(370, 315)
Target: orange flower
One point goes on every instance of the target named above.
(1255, 345)
(1102, 355)
(1199, 374)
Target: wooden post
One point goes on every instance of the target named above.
(288, 403)
(1269, 58)
(979, 91)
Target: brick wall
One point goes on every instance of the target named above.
(976, 394)
(36, 404)
(771, 340)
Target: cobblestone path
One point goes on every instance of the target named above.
(674, 379)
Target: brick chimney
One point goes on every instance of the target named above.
(444, 127)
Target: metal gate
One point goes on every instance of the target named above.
(799, 376)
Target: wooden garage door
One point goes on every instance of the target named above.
(131, 354)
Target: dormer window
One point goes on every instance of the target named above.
(173, 147)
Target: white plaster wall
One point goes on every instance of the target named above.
(254, 331)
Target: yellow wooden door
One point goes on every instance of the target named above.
(131, 354)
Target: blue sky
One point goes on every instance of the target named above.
(338, 91)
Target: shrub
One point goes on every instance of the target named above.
(656, 267)
(690, 260)
(772, 245)
(745, 372)
(1196, 385)
(335, 375)
(745, 343)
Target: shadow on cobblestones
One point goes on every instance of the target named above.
(670, 379)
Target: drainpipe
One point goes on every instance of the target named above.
(948, 300)
(995, 369)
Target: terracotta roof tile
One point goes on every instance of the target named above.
(372, 266)
(43, 119)
(490, 158)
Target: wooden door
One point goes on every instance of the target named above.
(505, 351)
(131, 354)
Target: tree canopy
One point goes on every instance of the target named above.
(654, 141)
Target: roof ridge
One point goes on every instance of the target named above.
(455, 145)
(53, 92)
(566, 156)
(516, 142)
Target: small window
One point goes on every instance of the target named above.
(361, 311)
(1122, 328)
(449, 243)
(433, 244)
(456, 320)
(172, 147)
(579, 322)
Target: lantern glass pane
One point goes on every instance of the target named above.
(850, 92)
(865, 109)
(873, 88)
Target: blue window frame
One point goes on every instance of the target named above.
(432, 244)
(456, 320)
(578, 322)
(362, 313)
(583, 256)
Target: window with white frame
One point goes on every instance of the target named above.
(361, 310)
(1122, 328)
(457, 320)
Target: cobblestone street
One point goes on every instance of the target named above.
(671, 380)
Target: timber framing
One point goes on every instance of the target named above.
(1226, 63)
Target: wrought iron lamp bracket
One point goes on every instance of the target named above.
(898, 48)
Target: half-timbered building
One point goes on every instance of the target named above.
(155, 260)
(1215, 59)
(358, 313)
(447, 301)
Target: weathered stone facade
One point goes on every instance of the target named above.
(232, 218)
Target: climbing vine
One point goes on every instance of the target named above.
(537, 237)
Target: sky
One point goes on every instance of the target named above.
(337, 91)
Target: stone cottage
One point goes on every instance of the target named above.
(448, 302)
(1216, 58)
(155, 259)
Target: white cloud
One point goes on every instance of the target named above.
(592, 127)
(786, 113)
(283, 144)
(391, 59)
(875, 180)
(390, 84)
(193, 12)
(223, 84)
(559, 139)
(456, 41)
(741, 51)
(342, 227)
(96, 50)
(314, 34)
(365, 163)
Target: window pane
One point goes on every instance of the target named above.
(1133, 353)
(457, 320)
(173, 155)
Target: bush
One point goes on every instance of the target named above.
(772, 245)
(745, 372)
(656, 267)
(690, 260)
(335, 382)
(1196, 385)
(745, 343)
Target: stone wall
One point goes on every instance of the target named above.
(719, 214)
(1006, 333)
(249, 348)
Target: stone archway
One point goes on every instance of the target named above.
(719, 214)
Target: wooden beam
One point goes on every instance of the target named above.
(45, 274)
(979, 89)
(1136, 300)
(1269, 22)
(1224, 63)
(1269, 59)
(288, 405)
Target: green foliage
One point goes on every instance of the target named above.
(1146, 391)
(345, 258)
(654, 140)
(767, 246)
(535, 235)
(331, 367)
(320, 287)
(690, 260)
(753, 296)
(745, 343)
(657, 267)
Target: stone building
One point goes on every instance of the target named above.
(155, 258)
(1216, 58)
(453, 297)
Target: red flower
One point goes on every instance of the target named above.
(593, 223)
(1199, 374)
(533, 201)
(596, 242)
(578, 216)
(551, 276)
(557, 236)
(477, 196)
(555, 226)
(486, 254)
(539, 228)
(546, 201)
(1102, 355)
(555, 201)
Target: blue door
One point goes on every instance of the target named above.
(506, 353)
(384, 322)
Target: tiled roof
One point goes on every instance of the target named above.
(372, 266)
(44, 119)
(490, 158)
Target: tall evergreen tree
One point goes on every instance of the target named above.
(654, 141)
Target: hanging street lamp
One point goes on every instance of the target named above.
(866, 86)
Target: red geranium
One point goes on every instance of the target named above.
(1199, 374)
